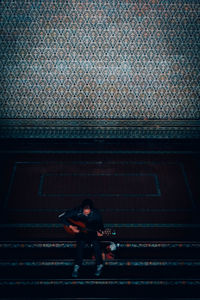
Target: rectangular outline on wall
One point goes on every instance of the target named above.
(89, 162)
(41, 194)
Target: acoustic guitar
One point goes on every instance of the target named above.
(84, 229)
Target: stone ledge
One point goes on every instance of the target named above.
(82, 128)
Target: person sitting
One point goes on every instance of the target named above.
(91, 217)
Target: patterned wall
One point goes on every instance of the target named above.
(100, 59)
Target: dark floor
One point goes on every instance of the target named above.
(146, 190)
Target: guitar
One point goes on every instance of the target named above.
(81, 226)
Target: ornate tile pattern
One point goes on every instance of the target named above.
(100, 60)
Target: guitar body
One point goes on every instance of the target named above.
(81, 226)
(83, 229)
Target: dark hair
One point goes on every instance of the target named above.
(87, 203)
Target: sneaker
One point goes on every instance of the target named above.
(98, 270)
(75, 271)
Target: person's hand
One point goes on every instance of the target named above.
(74, 228)
(99, 233)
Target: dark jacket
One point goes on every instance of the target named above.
(92, 221)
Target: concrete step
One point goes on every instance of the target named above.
(97, 288)
(125, 249)
(141, 231)
(118, 269)
(104, 298)
(140, 268)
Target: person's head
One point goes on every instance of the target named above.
(87, 205)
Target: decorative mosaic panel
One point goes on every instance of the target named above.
(100, 59)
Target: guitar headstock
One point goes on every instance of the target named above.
(109, 232)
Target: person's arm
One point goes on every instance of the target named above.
(63, 218)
